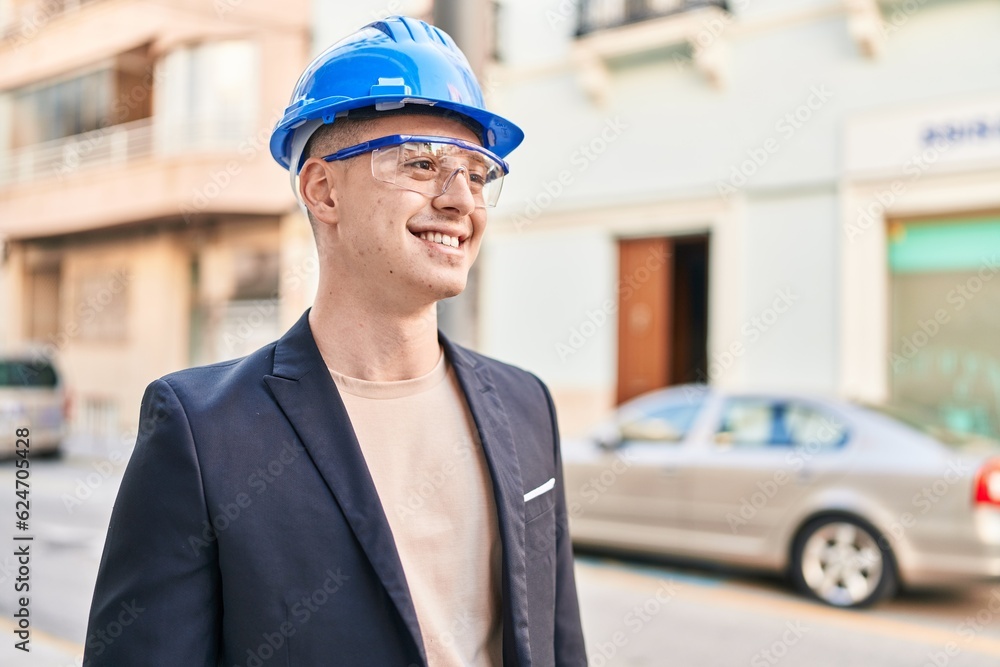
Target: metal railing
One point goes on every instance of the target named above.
(27, 18)
(118, 146)
(595, 15)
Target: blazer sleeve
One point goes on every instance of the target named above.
(157, 596)
(570, 650)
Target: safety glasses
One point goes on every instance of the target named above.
(430, 165)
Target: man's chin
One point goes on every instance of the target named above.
(432, 291)
(449, 291)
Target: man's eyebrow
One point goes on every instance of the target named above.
(479, 159)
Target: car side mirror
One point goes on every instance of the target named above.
(609, 441)
(650, 430)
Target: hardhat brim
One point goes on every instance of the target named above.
(499, 135)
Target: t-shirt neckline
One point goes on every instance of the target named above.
(392, 388)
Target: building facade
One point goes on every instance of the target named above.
(796, 194)
(145, 227)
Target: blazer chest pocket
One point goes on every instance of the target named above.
(539, 500)
(540, 525)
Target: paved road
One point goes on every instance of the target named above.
(635, 614)
(70, 508)
(639, 615)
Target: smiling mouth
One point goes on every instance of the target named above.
(437, 237)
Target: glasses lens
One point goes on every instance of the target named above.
(431, 168)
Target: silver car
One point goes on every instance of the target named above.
(850, 502)
(32, 396)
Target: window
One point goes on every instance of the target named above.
(209, 95)
(101, 306)
(27, 373)
(602, 14)
(765, 423)
(41, 310)
(54, 110)
(945, 313)
(256, 274)
(665, 418)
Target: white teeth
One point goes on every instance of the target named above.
(438, 237)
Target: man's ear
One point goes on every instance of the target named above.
(319, 192)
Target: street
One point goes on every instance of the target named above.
(634, 613)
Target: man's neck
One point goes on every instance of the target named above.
(376, 346)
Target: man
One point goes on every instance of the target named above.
(363, 491)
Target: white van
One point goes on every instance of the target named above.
(32, 396)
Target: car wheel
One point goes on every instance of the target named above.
(843, 562)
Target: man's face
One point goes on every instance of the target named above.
(377, 240)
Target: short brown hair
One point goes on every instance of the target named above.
(346, 130)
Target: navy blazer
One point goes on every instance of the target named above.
(248, 532)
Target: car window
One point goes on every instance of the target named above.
(769, 423)
(810, 427)
(669, 420)
(20, 373)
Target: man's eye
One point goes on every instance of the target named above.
(427, 165)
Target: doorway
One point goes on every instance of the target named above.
(662, 314)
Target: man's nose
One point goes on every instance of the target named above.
(456, 193)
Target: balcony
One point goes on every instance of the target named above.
(116, 146)
(140, 171)
(616, 30)
(26, 17)
(596, 15)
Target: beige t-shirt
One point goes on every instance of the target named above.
(424, 454)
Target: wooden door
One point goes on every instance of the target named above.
(645, 270)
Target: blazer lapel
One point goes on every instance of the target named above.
(306, 393)
(493, 425)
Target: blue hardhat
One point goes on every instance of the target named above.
(387, 64)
